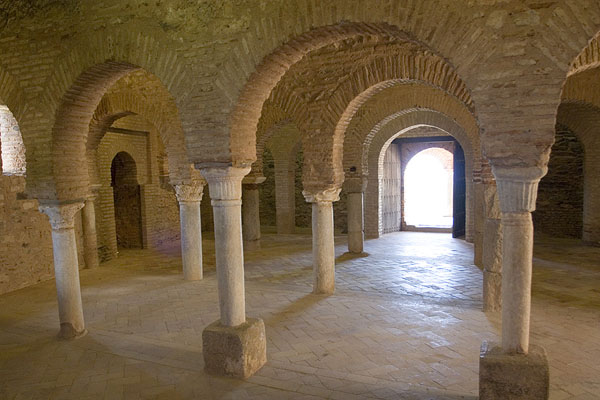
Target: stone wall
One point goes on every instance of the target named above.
(559, 207)
(26, 256)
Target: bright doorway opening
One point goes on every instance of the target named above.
(428, 189)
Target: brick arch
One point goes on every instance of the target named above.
(271, 121)
(390, 128)
(588, 58)
(12, 96)
(117, 105)
(385, 106)
(326, 118)
(430, 146)
(81, 77)
(13, 110)
(260, 85)
(583, 119)
(140, 173)
(131, 170)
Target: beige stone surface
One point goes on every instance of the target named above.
(237, 351)
(513, 376)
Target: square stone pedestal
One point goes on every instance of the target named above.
(237, 351)
(513, 376)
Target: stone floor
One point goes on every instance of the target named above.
(405, 323)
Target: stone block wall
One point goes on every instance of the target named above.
(559, 207)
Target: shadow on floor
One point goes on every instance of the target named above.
(350, 256)
(295, 308)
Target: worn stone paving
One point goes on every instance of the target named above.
(405, 323)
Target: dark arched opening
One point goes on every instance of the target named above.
(127, 201)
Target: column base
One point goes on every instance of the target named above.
(513, 376)
(237, 351)
(492, 291)
(67, 332)
(355, 242)
(252, 245)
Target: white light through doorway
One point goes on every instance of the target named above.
(428, 180)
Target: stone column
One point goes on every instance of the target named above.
(478, 214)
(189, 198)
(323, 241)
(492, 250)
(234, 345)
(90, 238)
(285, 195)
(355, 188)
(251, 211)
(66, 268)
(515, 366)
(355, 222)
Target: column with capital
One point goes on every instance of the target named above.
(189, 197)
(515, 366)
(234, 345)
(323, 247)
(66, 268)
(251, 211)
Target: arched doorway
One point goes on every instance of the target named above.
(428, 190)
(127, 201)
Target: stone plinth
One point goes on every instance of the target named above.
(513, 376)
(237, 351)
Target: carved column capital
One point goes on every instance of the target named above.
(517, 187)
(355, 185)
(225, 183)
(62, 216)
(251, 182)
(189, 193)
(323, 196)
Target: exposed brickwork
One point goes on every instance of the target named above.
(559, 207)
(583, 120)
(160, 212)
(26, 256)
(394, 126)
(12, 148)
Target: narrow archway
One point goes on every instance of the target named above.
(127, 201)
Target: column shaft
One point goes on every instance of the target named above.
(355, 222)
(285, 206)
(66, 268)
(323, 247)
(225, 186)
(517, 258)
(66, 272)
(90, 239)
(250, 216)
(191, 239)
(189, 197)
